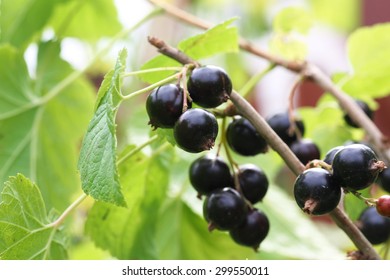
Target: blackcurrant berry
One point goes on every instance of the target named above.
(280, 123)
(384, 179)
(209, 173)
(195, 130)
(374, 227)
(316, 191)
(253, 231)
(253, 182)
(363, 105)
(356, 166)
(164, 105)
(243, 138)
(209, 86)
(305, 150)
(331, 153)
(383, 205)
(225, 209)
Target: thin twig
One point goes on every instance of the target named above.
(246, 109)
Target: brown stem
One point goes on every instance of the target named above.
(247, 110)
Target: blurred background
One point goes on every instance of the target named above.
(326, 42)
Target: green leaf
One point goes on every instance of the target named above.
(221, 38)
(293, 19)
(370, 60)
(346, 17)
(39, 137)
(24, 224)
(97, 162)
(20, 19)
(83, 19)
(128, 233)
(290, 27)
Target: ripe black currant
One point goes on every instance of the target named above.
(253, 182)
(305, 150)
(195, 130)
(383, 205)
(280, 123)
(356, 166)
(209, 86)
(384, 179)
(363, 105)
(331, 153)
(225, 209)
(243, 138)
(209, 173)
(374, 227)
(316, 191)
(253, 231)
(164, 106)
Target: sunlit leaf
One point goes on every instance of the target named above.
(370, 60)
(218, 39)
(290, 27)
(346, 17)
(38, 133)
(83, 19)
(24, 230)
(20, 20)
(222, 38)
(293, 19)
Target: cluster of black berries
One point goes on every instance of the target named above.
(228, 207)
(354, 167)
(195, 130)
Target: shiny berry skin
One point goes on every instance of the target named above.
(374, 227)
(253, 231)
(164, 106)
(331, 153)
(195, 131)
(305, 150)
(384, 179)
(383, 205)
(356, 167)
(253, 182)
(225, 209)
(209, 173)
(280, 123)
(316, 191)
(363, 105)
(209, 86)
(243, 138)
